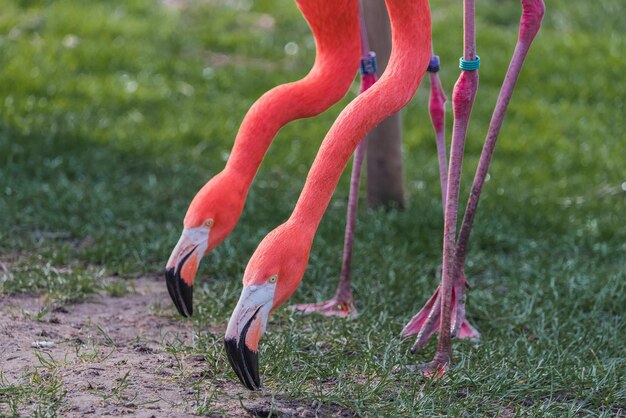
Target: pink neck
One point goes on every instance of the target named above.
(336, 30)
(411, 36)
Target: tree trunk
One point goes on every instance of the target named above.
(384, 143)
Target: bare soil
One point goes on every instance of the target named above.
(111, 355)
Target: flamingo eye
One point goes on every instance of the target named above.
(273, 279)
(208, 223)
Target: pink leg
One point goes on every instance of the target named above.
(342, 304)
(532, 15)
(530, 23)
(427, 320)
(462, 99)
(437, 108)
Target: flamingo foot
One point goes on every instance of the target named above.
(337, 307)
(426, 323)
(435, 369)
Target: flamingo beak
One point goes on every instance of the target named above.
(245, 328)
(182, 266)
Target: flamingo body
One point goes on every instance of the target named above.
(279, 262)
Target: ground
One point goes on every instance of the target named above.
(114, 113)
(120, 355)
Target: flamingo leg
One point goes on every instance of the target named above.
(463, 97)
(453, 277)
(462, 100)
(437, 110)
(532, 15)
(426, 322)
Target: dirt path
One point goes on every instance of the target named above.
(110, 356)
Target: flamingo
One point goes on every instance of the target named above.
(216, 208)
(278, 264)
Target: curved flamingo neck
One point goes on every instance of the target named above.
(335, 26)
(411, 36)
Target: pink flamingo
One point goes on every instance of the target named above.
(278, 264)
(216, 208)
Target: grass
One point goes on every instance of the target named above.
(113, 114)
(40, 387)
(61, 285)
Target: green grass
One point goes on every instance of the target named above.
(113, 114)
(40, 387)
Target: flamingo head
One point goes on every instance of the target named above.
(272, 275)
(212, 215)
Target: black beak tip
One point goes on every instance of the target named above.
(180, 292)
(244, 362)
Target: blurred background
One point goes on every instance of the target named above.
(114, 113)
